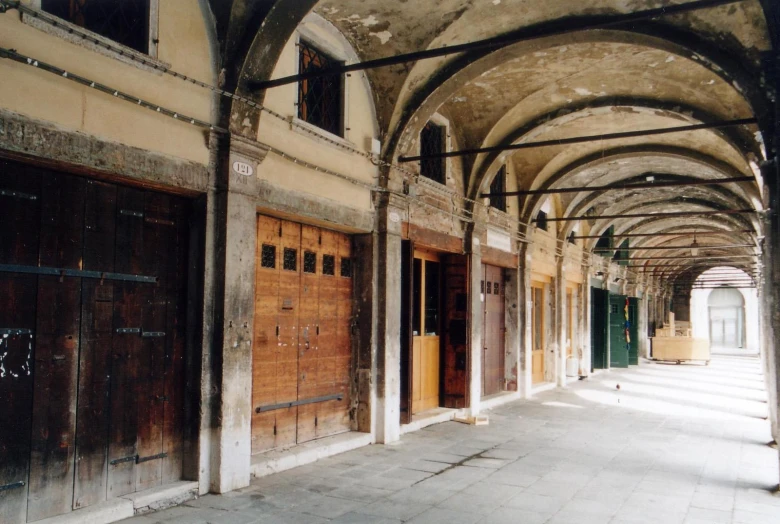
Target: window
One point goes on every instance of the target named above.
(433, 142)
(309, 262)
(320, 100)
(290, 260)
(328, 265)
(572, 240)
(605, 243)
(346, 267)
(268, 258)
(621, 254)
(498, 186)
(541, 220)
(123, 21)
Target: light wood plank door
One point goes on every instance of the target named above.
(426, 322)
(537, 333)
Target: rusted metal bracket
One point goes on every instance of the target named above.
(76, 273)
(283, 405)
(140, 460)
(13, 485)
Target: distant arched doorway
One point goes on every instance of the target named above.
(727, 318)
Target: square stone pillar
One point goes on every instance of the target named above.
(513, 308)
(559, 324)
(587, 311)
(476, 324)
(235, 228)
(525, 381)
(390, 213)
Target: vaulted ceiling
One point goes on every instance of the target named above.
(697, 67)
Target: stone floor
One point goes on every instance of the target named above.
(675, 444)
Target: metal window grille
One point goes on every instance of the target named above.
(499, 186)
(320, 100)
(328, 265)
(290, 262)
(496, 288)
(541, 220)
(489, 287)
(606, 243)
(346, 267)
(309, 262)
(123, 21)
(432, 142)
(268, 257)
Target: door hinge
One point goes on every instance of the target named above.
(140, 460)
(6, 487)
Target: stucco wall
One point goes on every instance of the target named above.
(182, 44)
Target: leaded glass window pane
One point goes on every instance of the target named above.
(290, 259)
(123, 21)
(346, 267)
(321, 99)
(309, 262)
(268, 257)
(328, 265)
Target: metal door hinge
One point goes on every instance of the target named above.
(15, 331)
(140, 460)
(131, 213)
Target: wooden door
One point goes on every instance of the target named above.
(426, 324)
(493, 330)
(633, 329)
(99, 391)
(302, 351)
(537, 333)
(455, 341)
(618, 345)
(599, 324)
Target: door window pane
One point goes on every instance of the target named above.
(417, 298)
(431, 298)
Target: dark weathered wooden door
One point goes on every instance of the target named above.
(599, 328)
(302, 350)
(97, 276)
(493, 330)
(618, 345)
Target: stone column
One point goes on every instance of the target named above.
(476, 320)
(390, 213)
(585, 319)
(513, 307)
(235, 226)
(524, 292)
(642, 327)
(559, 315)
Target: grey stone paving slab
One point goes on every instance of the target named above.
(685, 445)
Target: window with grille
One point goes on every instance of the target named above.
(290, 260)
(498, 186)
(268, 257)
(541, 220)
(621, 254)
(606, 242)
(309, 262)
(572, 240)
(346, 267)
(123, 21)
(328, 265)
(433, 142)
(321, 99)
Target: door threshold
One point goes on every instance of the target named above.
(542, 387)
(429, 418)
(129, 505)
(498, 399)
(278, 460)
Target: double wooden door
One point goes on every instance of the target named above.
(493, 330)
(537, 333)
(302, 350)
(92, 340)
(426, 326)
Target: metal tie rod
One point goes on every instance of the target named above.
(545, 29)
(650, 215)
(583, 139)
(681, 233)
(640, 248)
(615, 187)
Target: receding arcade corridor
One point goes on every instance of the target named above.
(675, 444)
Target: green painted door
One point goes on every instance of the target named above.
(633, 330)
(598, 328)
(618, 347)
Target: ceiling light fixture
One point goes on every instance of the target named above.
(694, 246)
